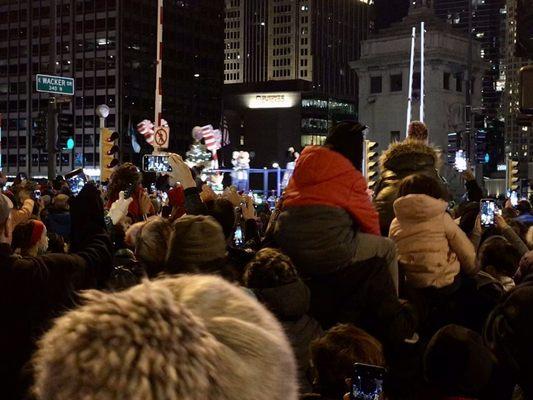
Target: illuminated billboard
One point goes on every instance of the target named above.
(272, 100)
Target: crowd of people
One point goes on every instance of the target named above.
(125, 292)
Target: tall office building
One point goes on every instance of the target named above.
(109, 47)
(292, 55)
(487, 17)
(519, 139)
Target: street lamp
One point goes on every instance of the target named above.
(103, 112)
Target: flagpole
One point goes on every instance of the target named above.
(422, 70)
(159, 65)
(411, 72)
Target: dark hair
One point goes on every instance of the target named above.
(457, 363)
(56, 243)
(125, 175)
(334, 355)
(22, 235)
(223, 211)
(498, 253)
(347, 139)
(420, 184)
(269, 268)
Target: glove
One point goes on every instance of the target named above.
(119, 209)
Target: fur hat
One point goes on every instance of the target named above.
(417, 131)
(195, 240)
(184, 338)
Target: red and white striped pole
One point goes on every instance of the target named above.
(159, 65)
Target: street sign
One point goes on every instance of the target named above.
(55, 84)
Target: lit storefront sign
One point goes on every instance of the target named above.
(272, 100)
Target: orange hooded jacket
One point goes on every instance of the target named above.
(325, 177)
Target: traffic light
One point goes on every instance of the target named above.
(65, 129)
(39, 131)
(512, 178)
(371, 163)
(108, 153)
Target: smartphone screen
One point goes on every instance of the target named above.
(37, 194)
(153, 163)
(367, 382)
(488, 209)
(238, 238)
(76, 180)
(514, 198)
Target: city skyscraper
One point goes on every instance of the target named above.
(487, 18)
(299, 49)
(109, 47)
(519, 141)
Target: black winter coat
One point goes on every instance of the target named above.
(397, 162)
(290, 304)
(33, 291)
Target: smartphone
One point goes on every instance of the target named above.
(153, 163)
(238, 239)
(367, 382)
(488, 209)
(37, 194)
(76, 179)
(128, 192)
(460, 161)
(514, 198)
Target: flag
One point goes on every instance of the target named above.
(225, 132)
(209, 138)
(133, 136)
(146, 128)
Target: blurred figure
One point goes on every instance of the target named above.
(128, 178)
(333, 357)
(508, 334)
(402, 159)
(58, 218)
(30, 238)
(524, 213)
(275, 281)
(185, 338)
(458, 365)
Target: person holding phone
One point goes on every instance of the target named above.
(345, 358)
(128, 178)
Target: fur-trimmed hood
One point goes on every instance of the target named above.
(407, 152)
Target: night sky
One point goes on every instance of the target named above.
(389, 11)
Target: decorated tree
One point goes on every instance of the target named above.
(198, 154)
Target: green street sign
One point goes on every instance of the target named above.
(55, 84)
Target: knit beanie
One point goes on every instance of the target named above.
(347, 139)
(457, 362)
(192, 337)
(195, 239)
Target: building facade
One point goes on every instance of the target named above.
(288, 49)
(487, 17)
(109, 48)
(519, 139)
(383, 71)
